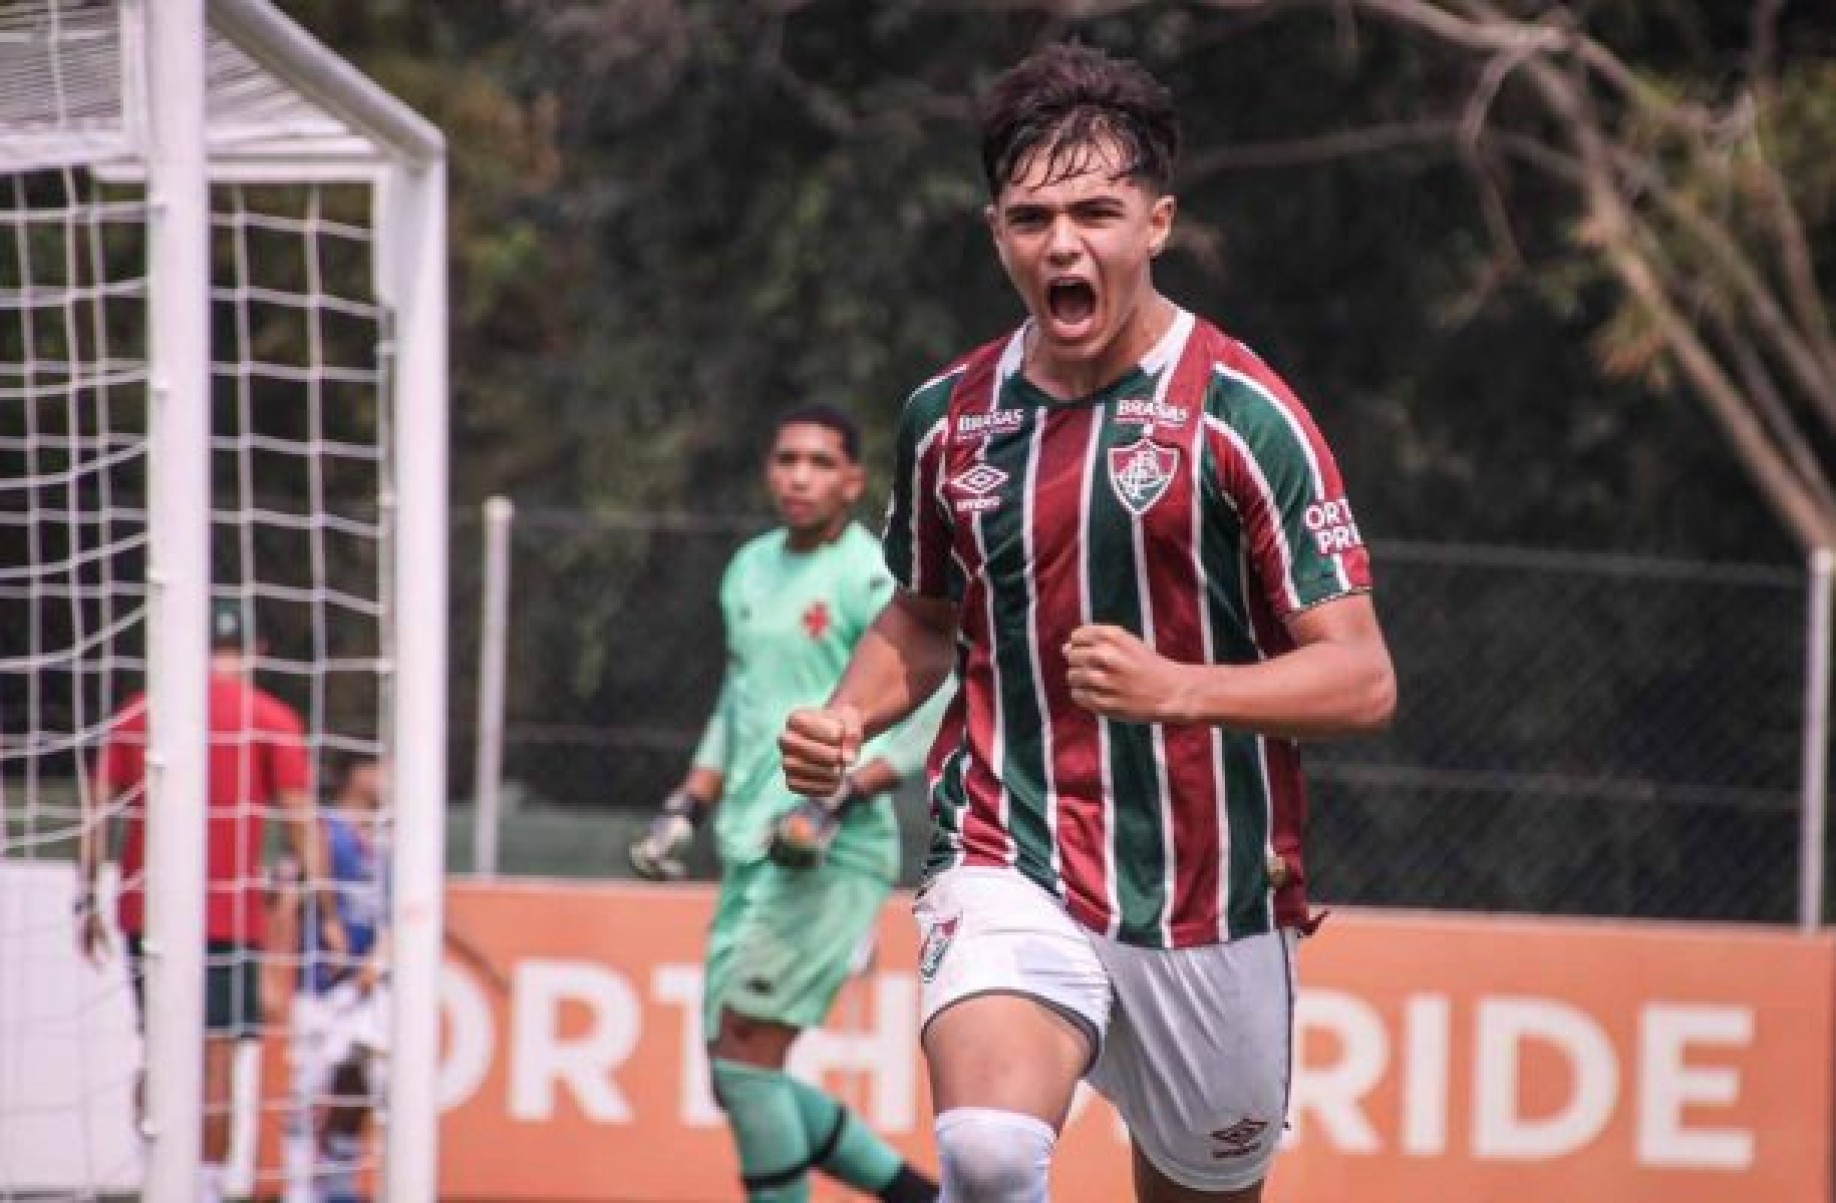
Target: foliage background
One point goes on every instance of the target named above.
(673, 217)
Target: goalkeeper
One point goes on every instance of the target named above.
(802, 880)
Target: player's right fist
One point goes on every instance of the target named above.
(818, 746)
(659, 855)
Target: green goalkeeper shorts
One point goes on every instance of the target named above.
(784, 940)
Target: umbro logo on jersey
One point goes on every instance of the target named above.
(1152, 412)
(1140, 473)
(987, 425)
(975, 488)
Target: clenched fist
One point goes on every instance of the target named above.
(1114, 674)
(819, 745)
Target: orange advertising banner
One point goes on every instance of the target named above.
(1438, 1057)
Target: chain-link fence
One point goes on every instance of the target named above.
(1578, 733)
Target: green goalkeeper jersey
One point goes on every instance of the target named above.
(792, 619)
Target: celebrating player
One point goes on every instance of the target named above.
(1143, 545)
(802, 880)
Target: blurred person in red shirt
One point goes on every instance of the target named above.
(259, 764)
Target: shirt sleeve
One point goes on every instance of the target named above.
(715, 747)
(866, 595)
(918, 527)
(1279, 476)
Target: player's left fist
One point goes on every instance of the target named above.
(803, 834)
(1111, 672)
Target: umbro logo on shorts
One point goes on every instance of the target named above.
(1238, 1140)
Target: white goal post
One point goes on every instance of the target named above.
(186, 134)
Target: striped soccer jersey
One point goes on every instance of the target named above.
(1192, 502)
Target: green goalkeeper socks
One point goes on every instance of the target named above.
(784, 1127)
(841, 1145)
(768, 1129)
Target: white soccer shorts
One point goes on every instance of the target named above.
(1194, 1045)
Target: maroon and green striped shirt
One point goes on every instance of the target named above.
(1192, 502)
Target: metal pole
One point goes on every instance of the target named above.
(1815, 783)
(178, 579)
(412, 267)
(487, 771)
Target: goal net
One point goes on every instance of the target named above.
(321, 524)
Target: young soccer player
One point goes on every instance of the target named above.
(1142, 546)
(338, 1028)
(802, 881)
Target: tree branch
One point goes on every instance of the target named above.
(1321, 148)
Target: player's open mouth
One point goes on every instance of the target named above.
(1070, 302)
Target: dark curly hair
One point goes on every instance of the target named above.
(1064, 101)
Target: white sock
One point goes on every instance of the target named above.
(992, 1156)
(210, 1183)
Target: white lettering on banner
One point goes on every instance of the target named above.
(1505, 1025)
(471, 1037)
(680, 985)
(886, 1052)
(1333, 1094)
(541, 1059)
(1667, 1085)
(1427, 1035)
(1346, 1051)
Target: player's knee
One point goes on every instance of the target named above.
(990, 1156)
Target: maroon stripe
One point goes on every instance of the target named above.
(1055, 517)
(1174, 595)
(985, 840)
(1287, 828)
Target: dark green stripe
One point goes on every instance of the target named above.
(1139, 843)
(948, 801)
(1246, 803)
(1023, 770)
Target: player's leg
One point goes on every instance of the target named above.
(793, 950)
(232, 1013)
(762, 1117)
(1152, 1186)
(1015, 1005)
(309, 1072)
(341, 1140)
(1198, 1061)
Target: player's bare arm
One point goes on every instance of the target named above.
(92, 932)
(1338, 681)
(315, 867)
(284, 941)
(900, 661)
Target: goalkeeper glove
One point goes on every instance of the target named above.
(803, 833)
(659, 855)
